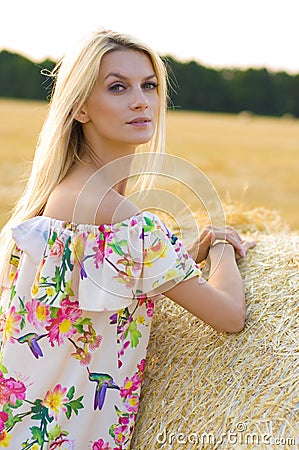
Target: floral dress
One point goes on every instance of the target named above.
(75, 327)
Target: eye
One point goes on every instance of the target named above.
(117, 87)
(150, 85)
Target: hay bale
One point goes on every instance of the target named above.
(205, 389)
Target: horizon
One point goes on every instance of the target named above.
(234, 34)
(180, 60)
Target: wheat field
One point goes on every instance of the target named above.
(248, 377)
(252, 161)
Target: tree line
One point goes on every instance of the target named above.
(192, 86)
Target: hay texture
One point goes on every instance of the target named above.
(210, 390)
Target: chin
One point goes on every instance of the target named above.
(139, 140)
(142, 142)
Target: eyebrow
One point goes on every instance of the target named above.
(123, 77)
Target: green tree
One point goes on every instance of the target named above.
(21, 78)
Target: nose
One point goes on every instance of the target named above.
(139, 101)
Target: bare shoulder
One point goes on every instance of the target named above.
(114, 208)
(60, 203)
(69, 201)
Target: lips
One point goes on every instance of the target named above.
(139, 121)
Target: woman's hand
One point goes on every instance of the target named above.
(200, 248)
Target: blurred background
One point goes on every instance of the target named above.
(234, 88)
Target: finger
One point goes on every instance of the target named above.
(234, 232)
(236, 243)
(228, 233)
(208, 240)
(212, 236)
(247, 246)
(204, 233)
(250, 244)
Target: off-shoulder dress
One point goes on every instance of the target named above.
(75, 328)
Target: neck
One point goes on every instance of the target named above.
(117, 161)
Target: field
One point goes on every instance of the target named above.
(252, 161)
(246, 378)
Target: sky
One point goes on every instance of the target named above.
(216, 33)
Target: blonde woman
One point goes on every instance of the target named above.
(81, 270)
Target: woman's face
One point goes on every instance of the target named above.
(123, 105)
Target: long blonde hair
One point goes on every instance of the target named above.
(60, 140)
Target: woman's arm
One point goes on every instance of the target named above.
(220, 302)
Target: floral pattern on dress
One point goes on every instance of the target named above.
(75, 329)
(13, 395)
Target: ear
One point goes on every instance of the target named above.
(82, 115)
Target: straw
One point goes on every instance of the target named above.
(205, 389)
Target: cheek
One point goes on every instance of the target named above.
(104, 108)
(101, 107)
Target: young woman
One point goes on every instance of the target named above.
(79, 278)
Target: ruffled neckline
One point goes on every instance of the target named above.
(77, 226)
(103, 266)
